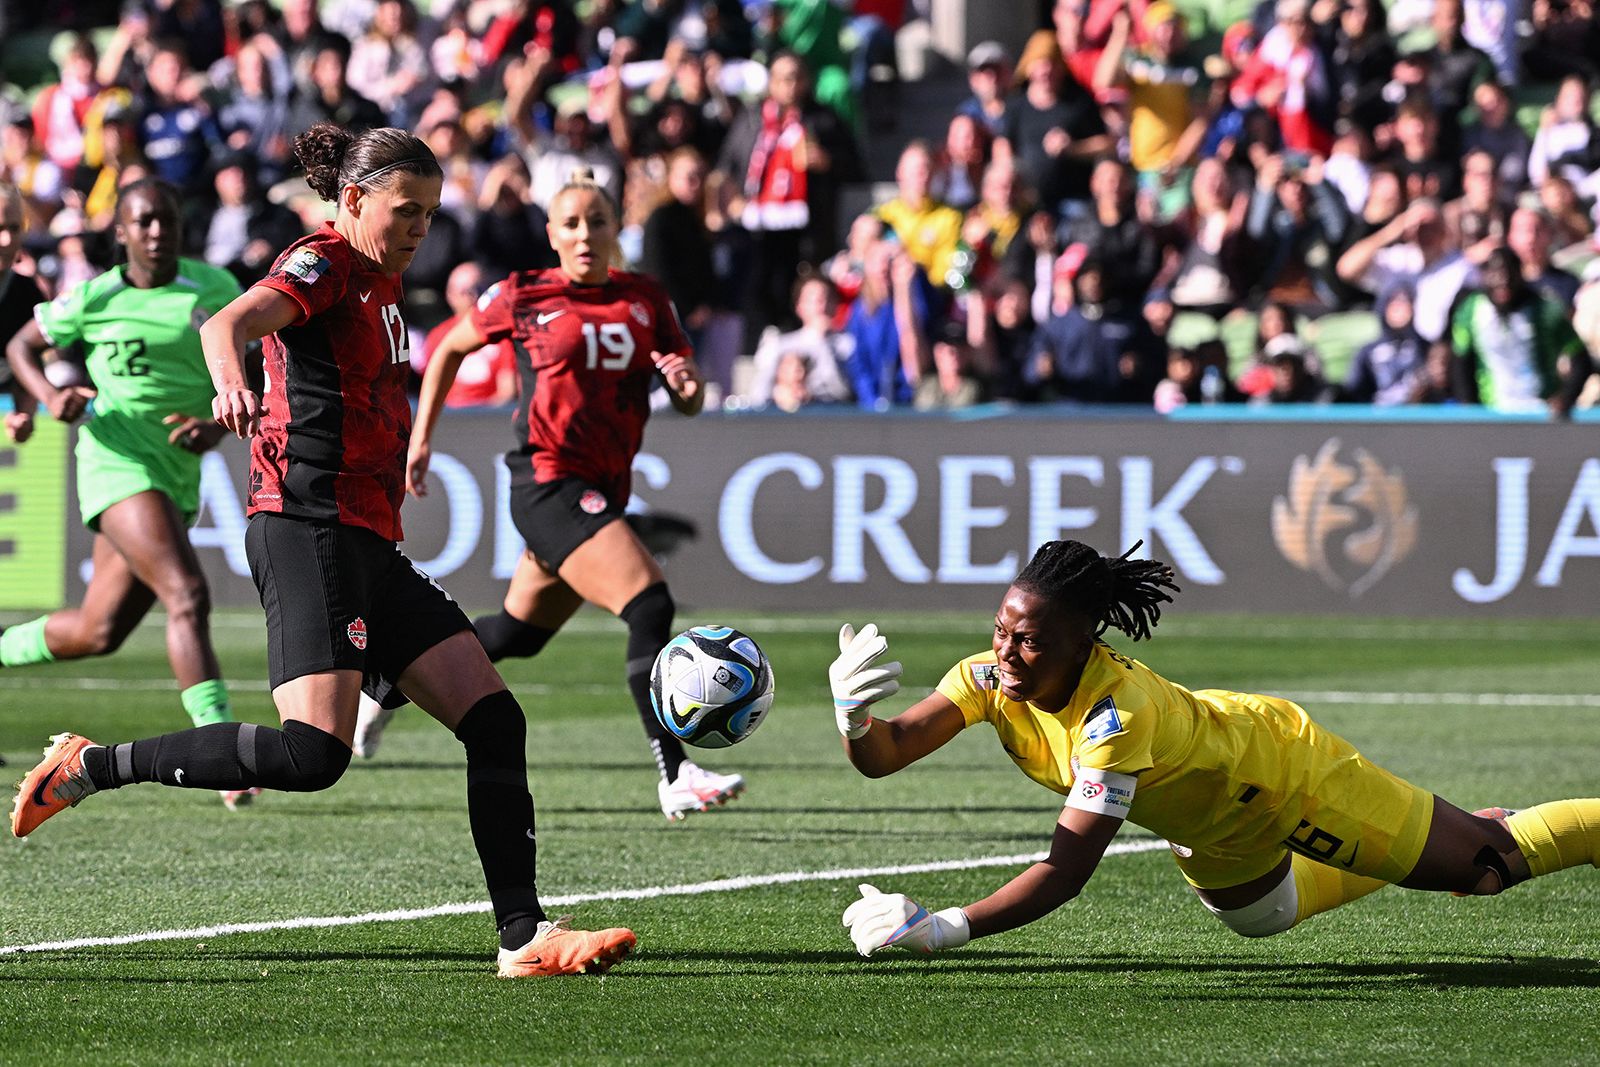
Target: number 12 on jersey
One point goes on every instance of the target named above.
(394, 328)
(615, 338)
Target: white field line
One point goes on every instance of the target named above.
(721, 885)
(14, 681)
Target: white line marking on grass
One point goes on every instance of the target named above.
(721, 885)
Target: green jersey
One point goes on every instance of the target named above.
(142, 346)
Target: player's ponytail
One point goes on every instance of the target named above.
(334, 157)
(1122, 593)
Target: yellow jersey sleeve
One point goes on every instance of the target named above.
(1119, 730)
(971, 685)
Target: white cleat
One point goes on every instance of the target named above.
(697, 789)
(234, 799)
(371, 718)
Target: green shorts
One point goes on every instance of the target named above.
(121, 455)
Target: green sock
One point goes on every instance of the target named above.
(207, 702)
(23, 644)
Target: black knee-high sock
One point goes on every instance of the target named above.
(500, 809)
(504, 635)
(649, 619)
(226, 755)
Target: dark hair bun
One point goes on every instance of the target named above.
(321, 151)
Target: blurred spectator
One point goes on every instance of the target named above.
(299, 35)
(177, 130)
(1492, 27)
(957, 379)
(1566, 40)
(18, 295)
(1288, 77)
(464, 172)
(1000, 330)
(1053, 130)
(927, 229)
(989, 78)
(1208, 267)
(1416, 246)
(1496, 131)
(128, 53)
(1167, 96)
(330, 98)
(112, 145)
(958, 171)
(1299, 223)
(1516, 349)
(1294, 379)
(456, 55)
(677, 252)
(488, 376)
(1095, 352)
(254, 113)
(1586, 322)
(574, 145)
(37, 180)
(1569, 223)
(888, 328)
(993, 223)
(1197, 375)
(1360, 59)
(1392, 369)
(1068, 38)
(197, 23)
(685, 95)
(786, 156)
(1454, 68)
(1439, 373)
(1529, 237)
(1274, 323)
(1479, 213)
(387, 64)
(1114, 236)
(1386, 198)
(847, 267)
(821, 352)
(509, 232)
(1425, 167)
(541, 27)
(1566, 144)
(811, 30)
(246, 231)
(60, 110)
(724, 331)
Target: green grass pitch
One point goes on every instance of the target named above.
(1482, 713)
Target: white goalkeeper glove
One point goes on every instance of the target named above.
(856, 679)
(878, 920)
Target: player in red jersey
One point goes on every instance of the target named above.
(590, 342)
(346, 610)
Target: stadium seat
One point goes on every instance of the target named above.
(1338, 337)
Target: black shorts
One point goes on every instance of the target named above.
(554, 518)
(343, 598)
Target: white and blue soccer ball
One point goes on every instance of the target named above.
(711, 686)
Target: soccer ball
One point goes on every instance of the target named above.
(711, 686)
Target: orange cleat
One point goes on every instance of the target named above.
(55, 785)
(234, 799)
(557, 950)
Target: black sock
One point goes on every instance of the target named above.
(649, 619)
(504, 635)
(225, 755)
(500, 810)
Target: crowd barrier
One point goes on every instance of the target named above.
(1299, 512)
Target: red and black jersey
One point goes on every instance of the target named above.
(583, 355)
(332, 444)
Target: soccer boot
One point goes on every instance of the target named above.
(696, 789)
(56, 784)
(234, 799)
(371, 719)
(557, 950)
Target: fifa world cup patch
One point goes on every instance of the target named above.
(357, 633)
(986, 675)
(307, 264)
(593, 501)
(1102, 721)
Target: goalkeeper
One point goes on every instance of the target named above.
(1272, 818)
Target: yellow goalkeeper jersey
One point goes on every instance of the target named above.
(1232, 773)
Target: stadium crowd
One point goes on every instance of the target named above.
(1149, 204)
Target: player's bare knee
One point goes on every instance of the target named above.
(187, 599)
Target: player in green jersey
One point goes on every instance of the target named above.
(137, 329)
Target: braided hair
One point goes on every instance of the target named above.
(1115, 592)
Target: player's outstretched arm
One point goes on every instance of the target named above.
(859, 679)
(464, 337)
(226, 337)
(884, 920)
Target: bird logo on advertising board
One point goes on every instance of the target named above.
(1347, 523)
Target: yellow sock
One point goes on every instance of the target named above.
(1558, 835)
(1321, 888)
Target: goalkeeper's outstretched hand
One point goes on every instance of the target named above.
(857, 680)
(878, 920)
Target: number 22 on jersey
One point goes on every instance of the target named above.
(617, 341)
